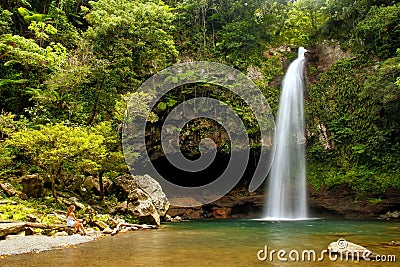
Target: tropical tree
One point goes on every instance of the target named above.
(379, 32)
(303, 22)
(24, 65)
(56, 149)
(126, 42)
(113, 160)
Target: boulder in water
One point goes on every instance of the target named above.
(349, 250)
(391, 215)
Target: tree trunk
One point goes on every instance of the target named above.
(92, 112)
(53, 181)
(101, 184)
(53, 188)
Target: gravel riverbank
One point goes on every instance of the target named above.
(37, 243)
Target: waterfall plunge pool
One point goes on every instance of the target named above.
(222, 243)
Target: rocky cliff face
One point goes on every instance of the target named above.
(233, 205)
(342, 201)
(337, 202)
(323, 55)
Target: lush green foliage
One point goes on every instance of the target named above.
(379, 32)
(359, 111)
(68, 67)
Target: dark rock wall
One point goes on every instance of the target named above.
(338, 202)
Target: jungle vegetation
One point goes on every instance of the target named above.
(67, 68)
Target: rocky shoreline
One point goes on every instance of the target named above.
(140, 205)
(16, 241)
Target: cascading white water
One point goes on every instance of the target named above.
(287, 198)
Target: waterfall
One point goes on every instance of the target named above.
(287, 197)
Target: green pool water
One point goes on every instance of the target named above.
(223, 243)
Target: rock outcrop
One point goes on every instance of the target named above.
(32, 185)
(236, 204)
(327, 53)
(336, 202)
(349, 250)
(340, 201)
(142, 197)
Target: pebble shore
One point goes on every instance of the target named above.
(37, 243)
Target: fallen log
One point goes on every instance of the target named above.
(37, 225)
(9, 221)
(10, 228)
(132, 226)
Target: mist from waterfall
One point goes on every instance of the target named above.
(287, 198)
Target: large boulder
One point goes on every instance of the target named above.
(153, 188)
(349, 250)
(144, 197)
(32, 185)
(92, 185)
(140, 205)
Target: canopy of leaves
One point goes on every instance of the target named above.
(68, 68)
(134, 36)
